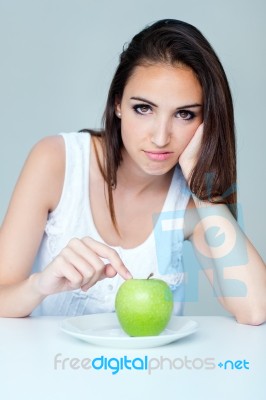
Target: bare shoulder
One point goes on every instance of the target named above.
(41, 179)
(50, 148)
(46, 164)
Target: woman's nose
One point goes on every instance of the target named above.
(161, 133)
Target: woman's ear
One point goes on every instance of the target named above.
(118, 106)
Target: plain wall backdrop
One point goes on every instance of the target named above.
(58, 57)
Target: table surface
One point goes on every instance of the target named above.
(186, 369)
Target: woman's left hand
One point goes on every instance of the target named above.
(189, 157)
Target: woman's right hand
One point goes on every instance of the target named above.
(80, 265)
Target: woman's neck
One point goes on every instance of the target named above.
(134, 180)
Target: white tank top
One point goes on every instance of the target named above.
(160, 253)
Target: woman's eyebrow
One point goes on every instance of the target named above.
(190, 106)
(145, 100)
(155, 105)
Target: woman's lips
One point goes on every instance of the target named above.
(158, 155)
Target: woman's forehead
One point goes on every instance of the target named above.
(164, 80)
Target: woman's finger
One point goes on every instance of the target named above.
(87, 271)
(94, 262)
(109, 271)
(107, 252)
(79, 247)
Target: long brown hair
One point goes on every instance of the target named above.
(176, 42)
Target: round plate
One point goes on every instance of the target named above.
(104, 330)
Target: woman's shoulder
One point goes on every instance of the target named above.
(48, 146)
(49, 153)
(47, 159)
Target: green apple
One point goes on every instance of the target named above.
(144, 306)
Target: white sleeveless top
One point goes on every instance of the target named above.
(160, 253)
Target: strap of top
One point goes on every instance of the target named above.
(76, 172)
(67, 219)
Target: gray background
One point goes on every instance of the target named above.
(57, 60)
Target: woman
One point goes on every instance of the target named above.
(91, 209)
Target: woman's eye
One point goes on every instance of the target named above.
(142, 109)
(186, 115)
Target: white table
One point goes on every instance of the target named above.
(28, 348)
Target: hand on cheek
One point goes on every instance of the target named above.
(189, 157)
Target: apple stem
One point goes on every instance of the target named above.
(151, 274)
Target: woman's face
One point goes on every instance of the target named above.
(160, 110)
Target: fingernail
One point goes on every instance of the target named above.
(128, 275)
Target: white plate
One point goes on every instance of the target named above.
(104, 330)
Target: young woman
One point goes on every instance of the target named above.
(91, 209)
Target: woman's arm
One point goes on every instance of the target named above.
(231, 263)
(78, 265)
(229, 260)
(36, 192)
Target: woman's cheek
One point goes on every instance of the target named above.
(187, 136)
